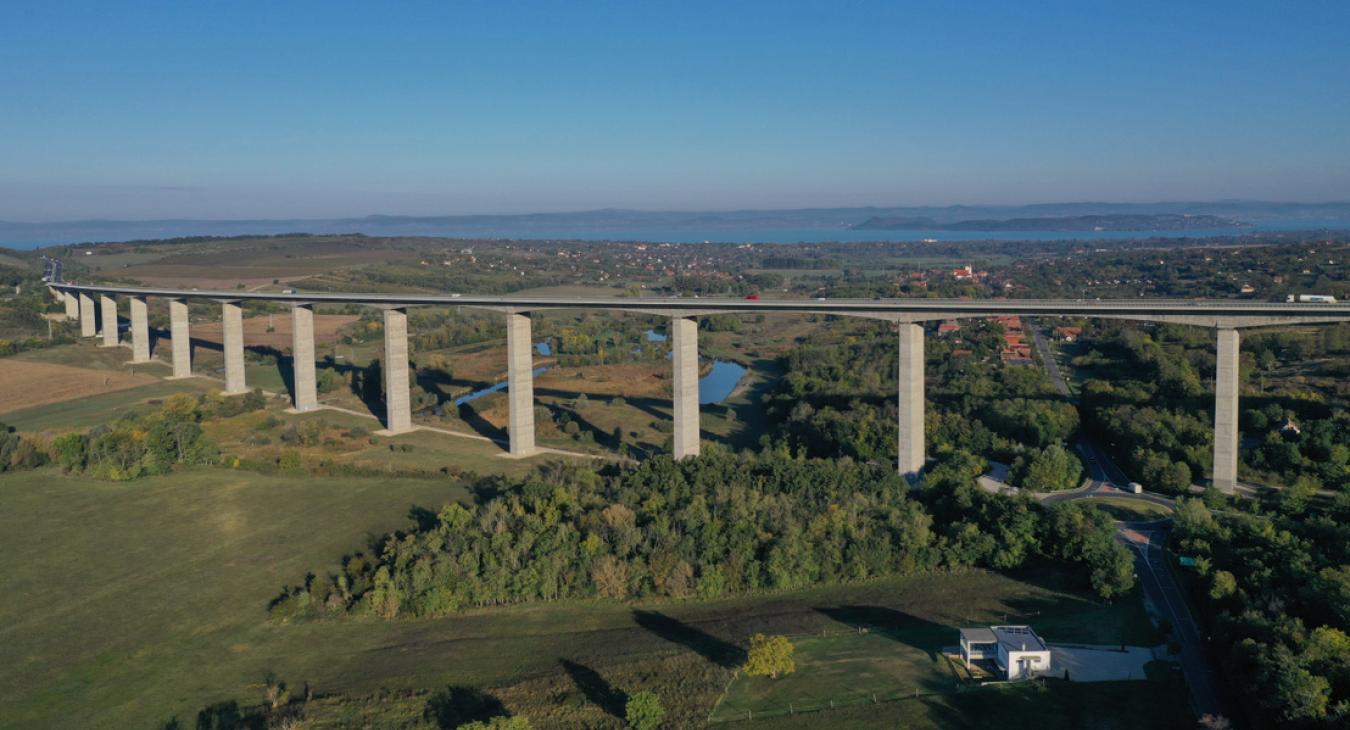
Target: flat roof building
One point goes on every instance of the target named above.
(1017, 651)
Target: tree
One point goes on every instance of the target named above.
(1223, 585)
(769, 656)
(71, 451)
(1050, 469)
(1294, 498)
(644, 711)
(1295, 694)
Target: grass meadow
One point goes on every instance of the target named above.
(130, 604)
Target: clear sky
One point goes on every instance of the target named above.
(229, 108)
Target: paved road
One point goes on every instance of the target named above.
(1048, 358)
(1162, 589)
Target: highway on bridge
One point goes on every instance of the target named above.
(1238, 312)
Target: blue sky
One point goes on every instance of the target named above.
(271, 109)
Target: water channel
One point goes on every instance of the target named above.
(714, 387)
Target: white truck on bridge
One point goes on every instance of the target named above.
(1312, 299)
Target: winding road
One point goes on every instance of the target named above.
(1146, 540)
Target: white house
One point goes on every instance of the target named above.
(1017, 651)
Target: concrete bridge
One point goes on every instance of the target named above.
(1225, 316)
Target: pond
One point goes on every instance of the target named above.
(717, 385)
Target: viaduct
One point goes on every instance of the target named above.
(1225, 316)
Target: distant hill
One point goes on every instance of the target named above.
(1117, 222)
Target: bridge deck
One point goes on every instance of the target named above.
(1141, 308)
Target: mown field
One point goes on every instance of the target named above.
(132, 603)
(1055, 705)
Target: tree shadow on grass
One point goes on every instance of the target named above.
(722, 653)
(424, 518)
(228, 716)
(455, 706)
(596, 688)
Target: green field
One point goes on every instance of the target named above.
(849, 668)
(132, 603)
(1129, 510)
(1053, 705)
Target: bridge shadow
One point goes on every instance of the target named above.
(596, 688)
(901, 627)
(585, 425)
(655, 407)
(483, 427)
(720, 652)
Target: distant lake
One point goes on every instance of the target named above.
(33, 235)
(844, 234)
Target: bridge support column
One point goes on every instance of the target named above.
(397, 399)
(1226, 411)
(88, 320)
(684, 359)
(520, 384)
(182, 340)
(72, 306)
(108, 321)
(232, 327)
(305, 397)
(140, 330)
(911, 446)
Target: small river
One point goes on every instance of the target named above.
(714, 387)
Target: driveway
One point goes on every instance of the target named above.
(1098, 663)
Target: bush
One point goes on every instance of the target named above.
(644, 711)
(500, 723)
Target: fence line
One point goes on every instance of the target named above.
(875, 699)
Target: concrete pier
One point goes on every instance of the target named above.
(397, 399)
(1226, 411)
(520, 384)
(108, 320)
(911, 445)
(140, 331)
(684, 360)
(88, 320)
(72, 306)
(305, 397)
(182, 339)
(232, 325)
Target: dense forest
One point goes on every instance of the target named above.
(715, 525)
(1275, 592)
(1149, 399)
(836, 399)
